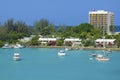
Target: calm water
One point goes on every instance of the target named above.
(44, 64)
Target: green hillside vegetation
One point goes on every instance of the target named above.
(11, 31)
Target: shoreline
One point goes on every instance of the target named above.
(76, 48)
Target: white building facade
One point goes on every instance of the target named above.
(73, 41)
(106, 42)
(48, 40)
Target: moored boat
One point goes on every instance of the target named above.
(66, 49)
(6, 46)
(92, 55)
(16, 57)
(61, 53)
(100, 57)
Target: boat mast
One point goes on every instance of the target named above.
(104, 37)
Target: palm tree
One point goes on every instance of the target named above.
(117, 42)
(112, 28)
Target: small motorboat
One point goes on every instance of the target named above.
(92, 55)
(101, 58)
(6, 46)
(66, 49)
(16, 57)
(61, 53)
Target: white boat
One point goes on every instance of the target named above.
(6, 46)
(18, 46)
(92, 55)
(100, 57)
(66, 49)
(61, 53)
(90, 58)
(16, 57)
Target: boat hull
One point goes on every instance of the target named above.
(102, 59)
(61, 54)
(16, 58)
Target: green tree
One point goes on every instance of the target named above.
(34, 40)
(13, 38)
(117, 42)
(59, 42)
(112, 28)
(88, 43)
(22, 27)
(11, 31)
(49, 30)
(61, 28)
(39, 26)
(85, 27)
(1, 43)
(9, 25)
(52, 28)
(96, 33)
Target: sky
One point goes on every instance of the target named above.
(58, 12)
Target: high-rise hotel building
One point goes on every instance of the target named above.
(102, 18)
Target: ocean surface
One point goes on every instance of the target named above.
(45, 64)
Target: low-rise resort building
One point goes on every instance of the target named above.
(72, 41)
(50, 41)
(107, 42)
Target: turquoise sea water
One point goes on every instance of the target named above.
(45, 64)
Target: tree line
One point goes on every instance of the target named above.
(11, 31)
